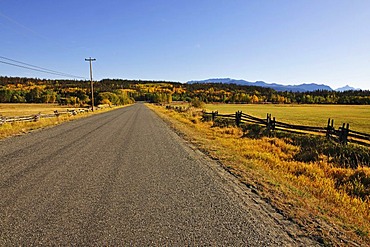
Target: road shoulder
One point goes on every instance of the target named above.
(244, 194)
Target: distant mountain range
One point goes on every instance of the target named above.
(278, 87)
(346, 88)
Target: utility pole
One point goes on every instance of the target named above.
(91, 81)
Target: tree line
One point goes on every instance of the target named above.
(119, 91)
(64, 92)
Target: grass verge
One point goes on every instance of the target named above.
(316, 195)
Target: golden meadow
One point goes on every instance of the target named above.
(308, 193)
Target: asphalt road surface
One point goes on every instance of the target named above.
(124, 178)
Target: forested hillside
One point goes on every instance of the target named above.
(118, 91)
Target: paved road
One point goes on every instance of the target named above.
(122, 178)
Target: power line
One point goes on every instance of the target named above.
(20, 66)
(37, 68)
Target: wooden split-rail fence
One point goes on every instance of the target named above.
(342, 135)
(37, 117)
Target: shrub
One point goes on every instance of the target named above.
(354, 182)
(197, 103)
(313, 147)
(223, 122)
(254, 131)
(349, 156)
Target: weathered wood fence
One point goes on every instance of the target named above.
(177, 108)
(342, 135)
(37, 117)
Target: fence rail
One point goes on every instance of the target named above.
(37, 117)
(342, 135)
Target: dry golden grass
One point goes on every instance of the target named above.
(315, 195)
(14, 110)
(17, 128)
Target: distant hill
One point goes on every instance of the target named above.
(346, 88)
(278, 87)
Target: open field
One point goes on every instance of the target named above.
(321, 196)
(358, 116)
(13, 110)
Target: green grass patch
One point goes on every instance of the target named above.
(358, 116)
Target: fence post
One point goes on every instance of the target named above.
(238, 116)
(332, 130)
(37, 117)
(268, 122)
(328, 129)
(346, 131)
(343, 135)
(214, 115)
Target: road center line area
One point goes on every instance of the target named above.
(125, 178)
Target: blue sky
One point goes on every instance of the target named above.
(281, 41)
